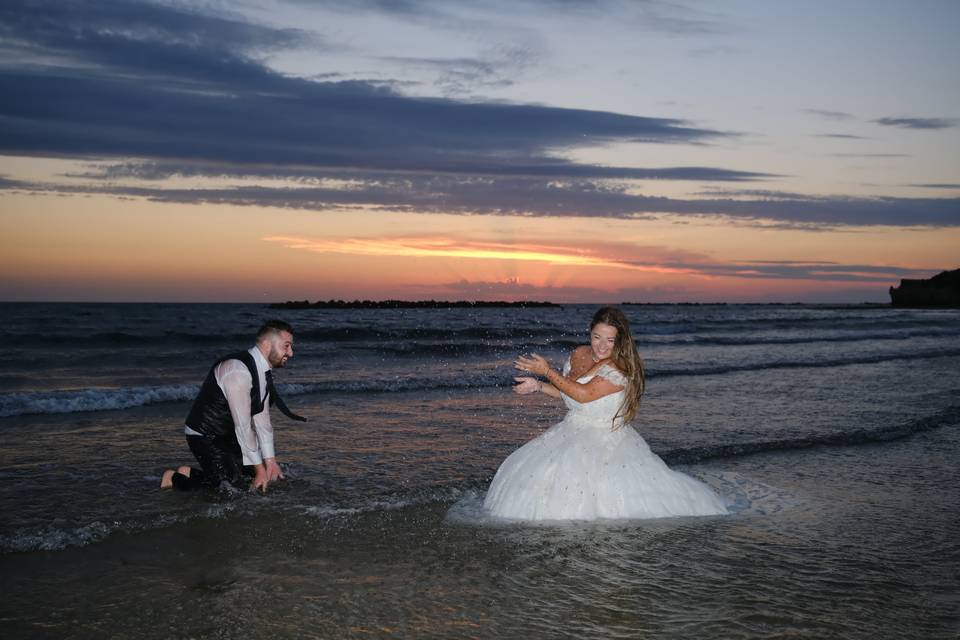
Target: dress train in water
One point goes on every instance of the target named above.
(584, 469)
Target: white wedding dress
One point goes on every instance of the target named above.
(584, 469)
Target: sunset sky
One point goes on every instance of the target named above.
(564, 150)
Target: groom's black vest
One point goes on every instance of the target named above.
(210, 413)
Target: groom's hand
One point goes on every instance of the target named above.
(273, 469)
(260, 479)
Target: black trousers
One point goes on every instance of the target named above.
(220, 461)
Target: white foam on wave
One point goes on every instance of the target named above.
(384, 503)
(327, 511)
(79, 400)
(745, 496)
(53, 538)
(110, 399)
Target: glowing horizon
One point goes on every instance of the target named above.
(279, 162)
(434, 247)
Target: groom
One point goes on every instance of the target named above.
(228, 428)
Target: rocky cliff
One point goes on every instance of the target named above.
(942, 290)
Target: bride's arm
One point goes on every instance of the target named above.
(525, 386)
(582, 392)
(580, 364)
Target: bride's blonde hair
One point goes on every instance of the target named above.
(627, 359)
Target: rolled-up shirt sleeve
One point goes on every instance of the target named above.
(264, 429)
(234, 378)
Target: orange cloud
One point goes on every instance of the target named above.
(605, 254)
(436, 247)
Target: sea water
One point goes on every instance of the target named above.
(833, 433)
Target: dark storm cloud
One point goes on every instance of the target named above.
(548, 169)
(917, 123)
(135, 79)
(550, 197)
(190, 94)
(117, 38)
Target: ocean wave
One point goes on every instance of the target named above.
(60, 537)
(128, 339)
(399, 338)
(509, 347)
(803, 363)
(806, 319)
(82, 400)
(348, 334)
(108, 399)
(57, 538)
(737, 341)
(85, 400)
(421, 348)
(950, 416)
(340, 328)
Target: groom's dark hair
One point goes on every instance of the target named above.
(273, 326)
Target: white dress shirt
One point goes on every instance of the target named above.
(254, 435)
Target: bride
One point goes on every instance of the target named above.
(592, 464)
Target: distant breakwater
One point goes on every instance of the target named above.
(404, 304)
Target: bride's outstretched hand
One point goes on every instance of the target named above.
(534, 364)
(526, 386)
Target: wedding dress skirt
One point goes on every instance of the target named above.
(583, 469)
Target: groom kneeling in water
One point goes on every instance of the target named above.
(228, 428)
